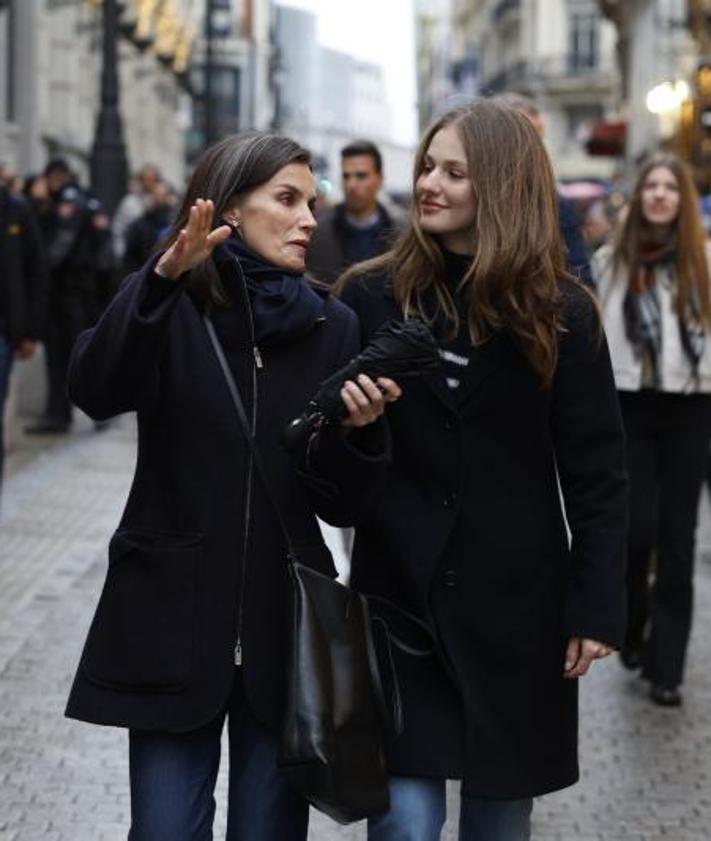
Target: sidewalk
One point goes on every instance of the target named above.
(646, 771)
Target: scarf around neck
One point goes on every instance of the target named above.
(284, 306)
(643, 315)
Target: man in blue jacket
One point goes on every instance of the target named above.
(576, 252)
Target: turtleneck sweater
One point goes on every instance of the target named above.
(455, 352)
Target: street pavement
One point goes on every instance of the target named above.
(646, 771)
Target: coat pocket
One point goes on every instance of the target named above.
(142, 637)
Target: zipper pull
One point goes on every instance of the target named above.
(238, 653)
(258, 357)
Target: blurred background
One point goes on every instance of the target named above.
(104, 107)
(114, 86)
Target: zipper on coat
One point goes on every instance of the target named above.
(258, 363)
(247, 516)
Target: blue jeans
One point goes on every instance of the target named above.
(7, 354)
(173, 780)
(418, 811)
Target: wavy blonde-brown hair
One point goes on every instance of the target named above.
(518, 255)
(690, 254)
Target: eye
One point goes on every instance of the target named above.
(456, 175)
(286, 198)
(427, 166)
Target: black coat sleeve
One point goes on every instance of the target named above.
(343, 468)
(590, 452)
(114, 366)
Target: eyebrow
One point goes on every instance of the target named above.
(294, 189)
(450, 162)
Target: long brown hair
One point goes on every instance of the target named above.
(518, 256)
(690, 265)
(224, 173)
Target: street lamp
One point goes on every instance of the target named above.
(109, 167)
(218, 20)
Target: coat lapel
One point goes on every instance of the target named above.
(485, 361)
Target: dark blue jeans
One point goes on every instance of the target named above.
(173, 779)
(418, 811)
(7, 354)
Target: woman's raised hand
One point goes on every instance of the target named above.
(195, 242)
(366, 401)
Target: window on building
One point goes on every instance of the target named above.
(583, 36)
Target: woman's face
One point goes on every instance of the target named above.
(660, 197)
(276, 219)
(444, 194)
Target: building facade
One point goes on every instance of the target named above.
(326, 98)
(50, 70)
(53, 73)
(560, 53)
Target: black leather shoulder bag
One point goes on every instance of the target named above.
(332, 736)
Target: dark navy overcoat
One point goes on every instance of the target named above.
(196, 566)
(468, 531)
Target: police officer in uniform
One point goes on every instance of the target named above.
(23, 288)
(73, 243)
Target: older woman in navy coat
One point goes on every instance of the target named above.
(190, 627)
(469, 530)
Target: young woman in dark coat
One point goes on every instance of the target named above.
(190, 627)
(469, 530)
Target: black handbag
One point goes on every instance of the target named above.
(332, 736)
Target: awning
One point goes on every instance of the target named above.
(607, 139)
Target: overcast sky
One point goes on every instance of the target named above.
(380, 31)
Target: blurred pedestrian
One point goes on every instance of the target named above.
(134, 204)
(144, 233)
(358, 228)
(192, 623)
(568, 220)
(654, 288)
(70, 245)
(468, 532)
(23, 291)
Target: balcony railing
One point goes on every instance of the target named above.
(525, 73)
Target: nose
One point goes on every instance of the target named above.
(429, 181)
(308, 221)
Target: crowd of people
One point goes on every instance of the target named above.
(533, 501)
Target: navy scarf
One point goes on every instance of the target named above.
(284, 306)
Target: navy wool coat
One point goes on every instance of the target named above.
(197, 564)
(468, 532)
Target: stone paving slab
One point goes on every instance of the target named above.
(646, 771)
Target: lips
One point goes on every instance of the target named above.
(302, 243)
(431, 206)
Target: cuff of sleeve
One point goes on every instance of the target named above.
(158, 292)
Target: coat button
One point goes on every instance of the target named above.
(450, 578)
(450, 499)
(449, 424)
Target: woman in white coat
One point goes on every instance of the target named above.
(653, 282)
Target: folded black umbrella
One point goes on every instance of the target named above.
(397, 350)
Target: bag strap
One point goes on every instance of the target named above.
(247, 432)
(391, 638)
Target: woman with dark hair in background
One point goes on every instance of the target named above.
(468, 531)
(653, 283)
(191, 625)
